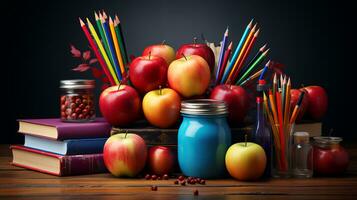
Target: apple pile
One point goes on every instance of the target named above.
(160, 79)
(314, 104)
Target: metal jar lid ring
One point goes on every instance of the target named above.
(204, 107)
(77, 84)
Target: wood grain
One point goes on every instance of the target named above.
(18, 183)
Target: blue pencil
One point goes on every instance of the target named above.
(236, 52)
(221, 53)
(112, 51)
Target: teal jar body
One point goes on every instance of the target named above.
(202, 145)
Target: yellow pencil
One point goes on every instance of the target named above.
(101, 48)
(287, 105)
(116, 45)
(246, 43)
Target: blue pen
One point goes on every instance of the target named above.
(221, 53)
(236, 52)
(110, 44)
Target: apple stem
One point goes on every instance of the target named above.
(163, 42)
(195, 41)
(184, 56)
(245, 138)
(119, 85)
(149, 55)
(126, 133)
(160, 90)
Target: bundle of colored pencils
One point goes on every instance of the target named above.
(278, 112)
(236, 72)
(109, 46)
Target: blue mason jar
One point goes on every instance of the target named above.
(203, 138)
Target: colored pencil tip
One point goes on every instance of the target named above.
(110, 20)
(117, 18)
(81, 21)
(254, 27)
(267, 64)
(262, 48)
(226, 33)
(96, 16)
(230, 45)
(256, 33)
(274, 79)
(105, 15)
(266, 51)
(250, 23)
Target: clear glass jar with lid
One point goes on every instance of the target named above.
(77, 100)
(203, 138)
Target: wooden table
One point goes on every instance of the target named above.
(18, 183)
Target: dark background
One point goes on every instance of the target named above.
(313, 39)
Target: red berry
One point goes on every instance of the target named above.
(147, 176)
(78, 101)
(72, 106)
(176, 182)
(85, 101)
(74, 115)
(63, 114)
(154, 188)
(192, 181)
(195, 192)
(81, 116)
(81, 106)
(202, 182)
(198, 180)
(153, 177)
(63, 99)
(159, 178)
(181, 178)
(183, 183)
(166, 177)
(68, 111)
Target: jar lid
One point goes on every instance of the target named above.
(77, 84)
(301, 137)
(327, 140)
(204, 107)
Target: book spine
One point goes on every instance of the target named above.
(82, 164)
(90, 131)
(90, 146)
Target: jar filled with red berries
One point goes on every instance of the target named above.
(77, 100)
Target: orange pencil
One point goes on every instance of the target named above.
(246, 43)
(281, 129)
(297, 108)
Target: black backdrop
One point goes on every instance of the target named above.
(313, 39)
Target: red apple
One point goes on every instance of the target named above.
(318, 102)
(236, 98)
(148, 73)
(189, 76)
(161, 160)
(125, 154)
(197, 49)
(120, 106)
(332, 161)
(295, 93)
(162, 107)
(162, 50)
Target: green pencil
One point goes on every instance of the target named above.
(120, 37)
(257, 62)
(102, 35)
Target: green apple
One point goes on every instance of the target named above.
(246, 161)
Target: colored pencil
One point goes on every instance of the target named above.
(247, 51)
(297, 108)
(96, 52)
(111, 48)
(221, 53)
(252, 77)
(101, 48)
(224, 63)
(101, 32)
(241, 53)
(287, 104)
(235, 54)
(261, 77)
(256, 56)
(283, 95)
(260, 59)
(281, 128)
(116, 45)
(122, 41)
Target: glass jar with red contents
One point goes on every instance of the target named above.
(77, 100)
(330, 158)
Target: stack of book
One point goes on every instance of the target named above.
(61, 149)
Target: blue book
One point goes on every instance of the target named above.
(66, 147)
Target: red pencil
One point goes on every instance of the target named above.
(281, 129)
(245, 55)
(224, 63)
(97, 54)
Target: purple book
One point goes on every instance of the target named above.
(57, 130)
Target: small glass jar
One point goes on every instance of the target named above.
(330, 158)
(203, 138)
(302, 156)
(77, 100)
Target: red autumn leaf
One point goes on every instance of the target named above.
(75, 52)
(93, 60)
(97, 73)
(86, 55)
(81, 67)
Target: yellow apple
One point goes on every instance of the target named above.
(246, 161)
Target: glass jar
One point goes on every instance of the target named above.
(330, 158)
(203, 138)
(302, 157)
(77, 100)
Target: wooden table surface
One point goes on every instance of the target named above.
(18, 183)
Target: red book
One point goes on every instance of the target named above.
(55, 164)
(57, 130)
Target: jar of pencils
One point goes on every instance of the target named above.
(77, 100)
(281, 156)
(203, 138)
